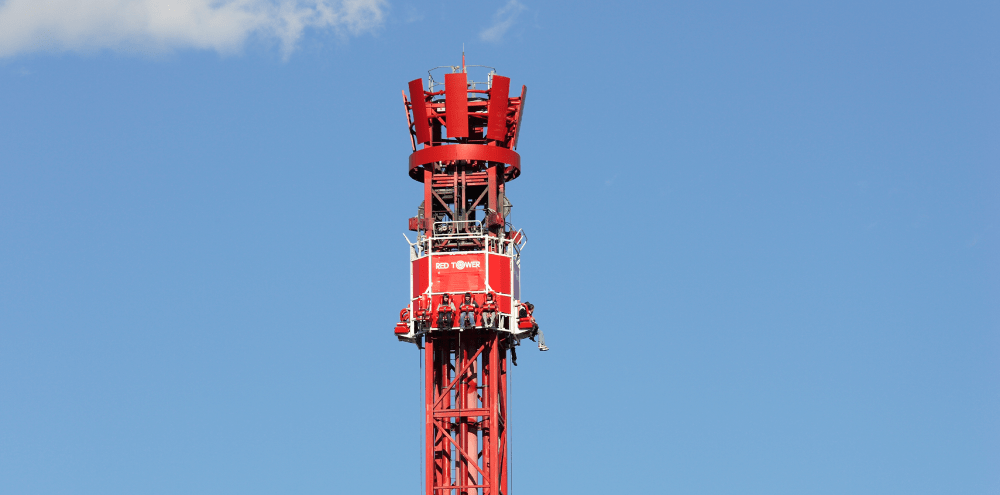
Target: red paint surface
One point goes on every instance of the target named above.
(470, 152)
(419, 111)
(497, 123)
(458, 273)
(500, 273)
(419, 276)
(456, 101)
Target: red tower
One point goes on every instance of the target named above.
(468, 131)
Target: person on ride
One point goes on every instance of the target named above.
(489, 312)
(468, 308)
(526, 312)
(446, 313)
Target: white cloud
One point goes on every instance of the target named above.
(502, 21)
(161, 25)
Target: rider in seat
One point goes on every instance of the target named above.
(446, 313)
(467, 319)
(525, 315)
(490, 312)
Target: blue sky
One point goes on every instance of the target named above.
(763, 244)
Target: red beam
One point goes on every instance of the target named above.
(456, 100)
(451, 413)
(419, 111)
(458, 376)
(497, 124)
(472, 460)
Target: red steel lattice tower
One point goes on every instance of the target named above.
(466, 132)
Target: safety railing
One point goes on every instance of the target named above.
(505, 322)
(454, 241)
(459, 228)
(488, 83)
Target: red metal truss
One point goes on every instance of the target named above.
(466, 413)
(463, 139)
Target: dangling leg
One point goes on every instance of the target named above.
(541, 339)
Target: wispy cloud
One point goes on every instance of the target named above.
(502, 21)
(152, 26)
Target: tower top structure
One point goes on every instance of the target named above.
(464, 118)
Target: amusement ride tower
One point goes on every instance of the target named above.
(465, 310)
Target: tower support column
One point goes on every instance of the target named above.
(465, 412)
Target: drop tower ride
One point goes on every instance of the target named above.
(464, 134)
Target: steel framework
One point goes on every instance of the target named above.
(465, 245)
